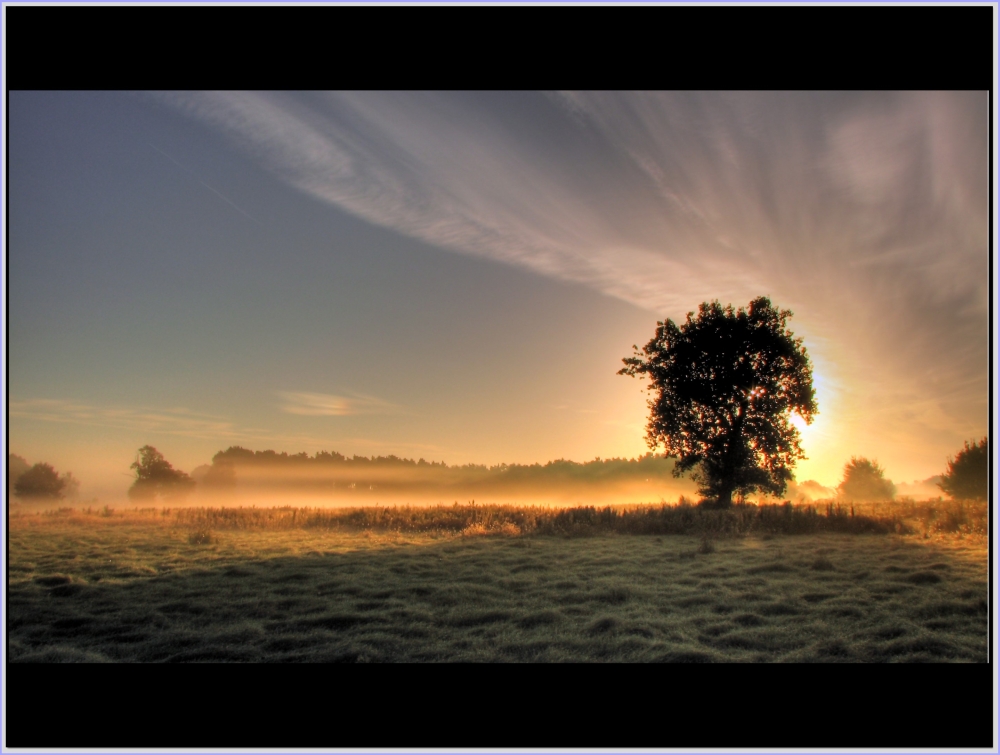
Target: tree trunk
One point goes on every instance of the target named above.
(725, 498)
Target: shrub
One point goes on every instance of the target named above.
(71, 486)
(864, 480)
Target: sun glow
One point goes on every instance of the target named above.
(799, 423)
(821, 438)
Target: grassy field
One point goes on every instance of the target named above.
(904, 582)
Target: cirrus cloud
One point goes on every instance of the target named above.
(329, 405)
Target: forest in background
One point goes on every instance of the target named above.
(244, 470)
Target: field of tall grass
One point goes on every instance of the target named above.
(897, 581)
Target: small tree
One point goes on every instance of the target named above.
(727, 382)
(864, 480)
(16, 466)
(154, 476)
(40, 482)
(968, 474)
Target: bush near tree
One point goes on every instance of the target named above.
(726, 384)
(71, 486)
(155, 476)
(864, 480)
(968, 474)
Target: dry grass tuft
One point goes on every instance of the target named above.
(478, 529)
(201, 537)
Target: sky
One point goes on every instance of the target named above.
(457, 276)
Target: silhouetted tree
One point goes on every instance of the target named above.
(726, 383)
(16, 466)
(968, 474)
(864, 480)
(40, 482)
(154, 476)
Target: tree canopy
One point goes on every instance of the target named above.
(40, 482)
(864, 480)
(154, 476)
(968, 474)
(726, 383)
(16, 466)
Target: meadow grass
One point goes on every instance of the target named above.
(496, 583)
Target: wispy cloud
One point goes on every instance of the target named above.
(182, 422)
(329, 405)
(428, 167)
(176, 421)
(866, 213)
(659, 199)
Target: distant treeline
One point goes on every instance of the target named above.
(327, 471)
(244, 456)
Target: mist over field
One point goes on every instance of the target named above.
(243, 477)
(240, 477)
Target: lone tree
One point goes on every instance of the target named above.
(726, 384)
(968, 474)
(16, 466)
(40, 482)
(154, 476)
(864, 480)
